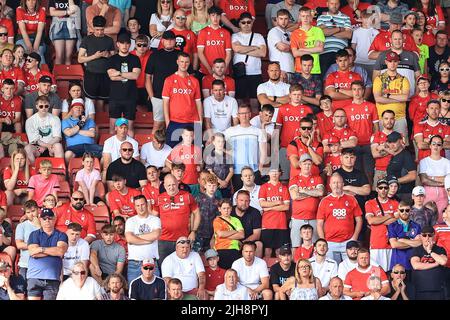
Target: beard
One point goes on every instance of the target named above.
(78, 206)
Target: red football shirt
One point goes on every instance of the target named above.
(215, 42)
(183, 92)
(209, 78)
(66, 214)
(379, 233)
(22, 182)
(442, 238)
(349, 12)
(31, 81)
(289, 117)
(360, 118)
(357, 279)
(324, 123)
(8, 108)
(140, 82)
(272, 219)
(381, 164)
(305, 209)
(341, 80)
(151, 193)
(418, 107)
(234, 8)
(427, 130)
(8, 25)
(3, 201)
(213, 277)
(433, 20)
(339, 215)
(342, 134)
(303, 253)
(185, 40)
(191, 156)
(175, 213)
(13, 73)
(31, 20)
(297, 147)
(334, 160)
(382, 42)
(123, 202)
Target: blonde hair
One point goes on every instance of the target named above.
(159, 9)
(45, 164)
(27, 167)
(195, 13)
(297, 274)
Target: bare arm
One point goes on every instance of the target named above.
(202, 58)
(358, 227)
(320, 230)
(411, 176)
(428, 181)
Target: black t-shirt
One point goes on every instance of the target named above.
(279, 276)
(139, 290)
(18, 285)
(399, 166)
(61, 4)
(133, 172)
(251, 219)
(161, 64)
(123, 90)
(144, 10)
(434, 60)
(431, 279)
(438, 85)
(356, 178)
(92, 44)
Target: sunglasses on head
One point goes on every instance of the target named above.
(427, 235)
(79, 272)
(127, 149)
(445, 100)
(148, 268)
(42, 106)
(398, 271)
(140, 45)
(306, 128)
(404, 210)
(444, 69)
(184, 242)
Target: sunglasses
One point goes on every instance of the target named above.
(140, 45)
(404, 210)
(180, 17)
(246, 22)
(436, 144)
(78, 199)
(444, 69)
(79, 272)
(47, 218)
(127, 149)
(3, 34)
(383, 188)
(397, 272)
(427, 235)
(28, 59)
(184, 242)
(306, 128)
(148, 268)
(165, 2)
(42, 106)
(445, 100)
(287, 37)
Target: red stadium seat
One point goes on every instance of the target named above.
(270, 261)
(23, 136)
(103, 137)
(76, 164)
(58, 164)
(143, 138)
(99, 192)
(62, 89)
(15, 212)
(68, 72)
(64, 190)
(44, 67)
(4, 163)
(102, 121)
(143, 120)
(101, 213)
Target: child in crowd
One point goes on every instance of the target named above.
(306, 249)
(49, 202)
(332, 160)
(417, 35)
(120, 200)
(88, 179)
(151, 189)
(325, 118)
(410, 21)
(214, 274)
(43, 183)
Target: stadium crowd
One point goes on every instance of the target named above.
(224, 149)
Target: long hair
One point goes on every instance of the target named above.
(69, 97)
(297, 274)
(431, 11)
(23, 4)
(194, 10)
(159, 9)
(27, 167)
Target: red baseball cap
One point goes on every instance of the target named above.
(392, 56)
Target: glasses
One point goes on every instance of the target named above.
(306, 128)
(148, 268)
(165, 1)
(383, 188)
(427, 235)
(404, 210)
(78, 199)
(436, 144)
(304, 267)
(246, 22)
(398, 271)
(43, 106)
(140, 45)
(3, 34)
(445, 100)
(28, 59)
(184, 242)
(77, 273)
(180, 17)
(127, 149)
(444, 69)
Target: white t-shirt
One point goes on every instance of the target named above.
(74, 254)
(112, 146)
(254, 197)
(153, 157)
(253, 66)
(371, 298)
(89, 107)
(139, 226)
(44, 129)
(347, 265)
(250, 276)
(89, 291)
(434, 168)
(274, 89)
(220, 113)
(87, 178)
(363, 38)
(328, 297)
(222, 293)
(186, 270)
(154, 43)
(256, 122)
(324, 271)
(286, 59)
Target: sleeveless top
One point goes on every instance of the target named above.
(197, 26)
(304, 293)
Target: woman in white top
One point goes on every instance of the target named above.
(303, 286)
(375, 289)
(160, 21)
(79, 286)
(76, 94)
(432, 172)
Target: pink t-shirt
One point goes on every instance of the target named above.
(87, 178)
(42, 187)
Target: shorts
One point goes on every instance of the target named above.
(143, 100)
(158, 112)
(47, 289)
(274, 238)
(80, 149)
(125, 107)
(247, 85)
(382, 257)
(96, 85)
(61, 34)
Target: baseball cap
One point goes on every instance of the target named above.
(396, 17)
(412, 13)
(392, 56)
(382, 181)
(77, 102)
(285, 249)
(392, 179)
(45, 79)
(148, 262)
(121, 121)
(35, 56)
(168, 35)
(305, 157)
(46, 212)
(394, 136)
(427, 229)
(333, 140)
(124, 37)
(352, 244)
(419, 190)
(211, 253)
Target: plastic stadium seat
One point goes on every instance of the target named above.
(102, 120)
(58, 164)
(4, 162)
(76, 164)
(62, 89)
(44, 67)
(101, 216)
(23, 136)
(15, 212)
(64, 190)
(103, 137)
(143, 120)
(68, 72)
(99, 192)
(270, 261)
(143, 138)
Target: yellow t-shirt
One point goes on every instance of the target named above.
(301, 39)
(384, 85)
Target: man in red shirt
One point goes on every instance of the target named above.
(213, 42)
(380, 214)
(9, 71)
(218, 73)
(418, 104)
(179, 214)
(120, 200)
(356, 282)
(338, 83)
(143, 53)
(346, 136)
(362, 118)
(10, 108)
(425, 130)
(305, 190)
(304, 143)
(325, 118)
(379, 147)
(182, 103)
(339, 219)
(74, 212)
(33, 73)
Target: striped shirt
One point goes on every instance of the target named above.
(333, 44)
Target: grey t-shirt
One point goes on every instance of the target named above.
(108, 255)
(293, 12)
(30, 101)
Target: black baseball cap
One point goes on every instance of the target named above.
(394, 136)
(35, 56)
(124, 37)
(353, 244)
(427, 229)
(168, 35)
(285, 249)
(45, 79)
(46, 212)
